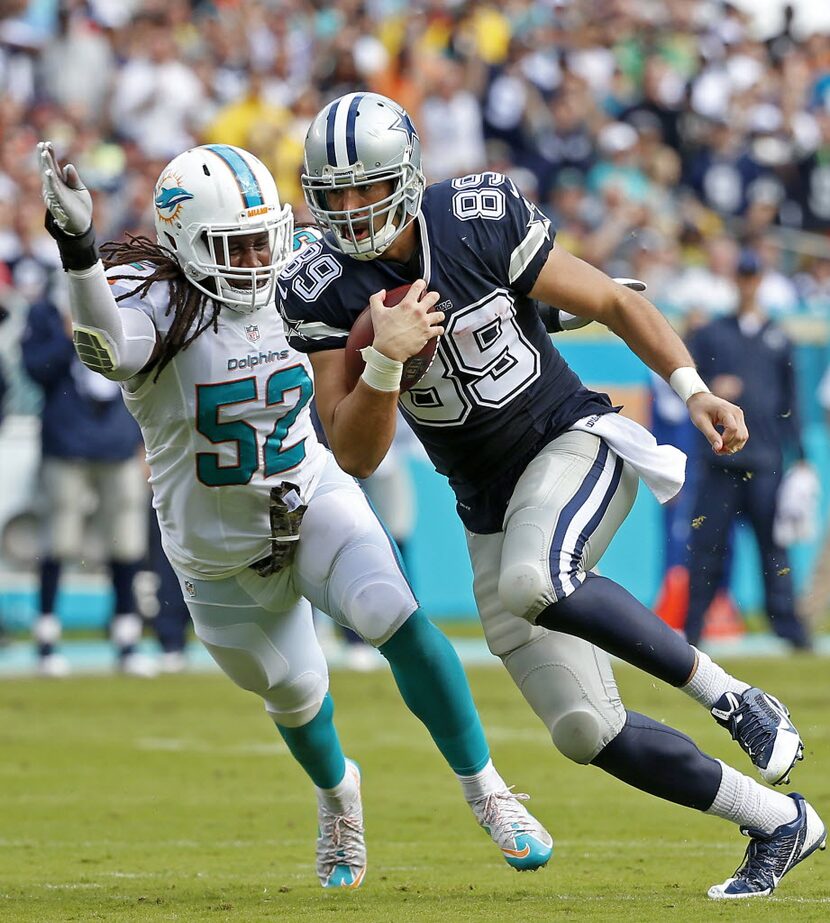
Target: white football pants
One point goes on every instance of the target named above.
(259, 630)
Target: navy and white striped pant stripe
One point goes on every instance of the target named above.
(579, 518)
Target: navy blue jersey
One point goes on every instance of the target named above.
(498, 389)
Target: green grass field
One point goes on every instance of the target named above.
(174, 800)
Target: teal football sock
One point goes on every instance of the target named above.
(316, 747)
(433, 685)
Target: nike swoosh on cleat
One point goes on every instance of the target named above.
(516, 853)
(358, 881)
(351, 885)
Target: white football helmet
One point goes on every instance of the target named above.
(358, 139)
(209, 195)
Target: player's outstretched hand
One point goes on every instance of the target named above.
(709, 412)
(402, 329)
(64, 194)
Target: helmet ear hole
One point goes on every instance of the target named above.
(172, 240)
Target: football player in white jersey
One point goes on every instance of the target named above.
(543, 469)
(256, 517)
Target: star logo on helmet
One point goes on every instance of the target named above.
(170, 197)
(404, 123)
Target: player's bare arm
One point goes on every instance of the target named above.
(360, 423)
(577, 287)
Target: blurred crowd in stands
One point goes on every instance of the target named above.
(662, 137)
(657, 135)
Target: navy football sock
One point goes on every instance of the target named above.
(316, 747)
(50, 572)
(123, 581)
(433, 685)
(661, 761)
(602, 612)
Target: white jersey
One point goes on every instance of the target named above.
(227, 420)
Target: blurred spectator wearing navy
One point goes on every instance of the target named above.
(747, 358)
(815, 604)
(3, 316)
(172, 618)
(90, 447)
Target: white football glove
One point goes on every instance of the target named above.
(569, 321)
(64, 194)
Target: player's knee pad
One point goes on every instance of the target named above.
(370, 592)
(578, 735)
(553, 538)
(296, 703)
(570, 691)
(246, 655)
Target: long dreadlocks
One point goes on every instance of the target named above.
(193, 311)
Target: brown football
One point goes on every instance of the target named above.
(362, 334)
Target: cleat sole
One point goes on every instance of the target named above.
(535, 868)
(785, 778)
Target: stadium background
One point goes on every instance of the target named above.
(607, 112)
(131, 801)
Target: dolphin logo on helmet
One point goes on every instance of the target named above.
(169, 198)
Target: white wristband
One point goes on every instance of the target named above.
(381, 372)
(685, 382)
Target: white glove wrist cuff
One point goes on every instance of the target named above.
(96, 270)
(685, 382)
(381, 372)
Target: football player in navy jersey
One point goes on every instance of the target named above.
(544, 470)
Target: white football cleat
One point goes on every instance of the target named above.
(524, 842)
(137, 664)
(53, 665)
(172, 662)
(341, 847)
